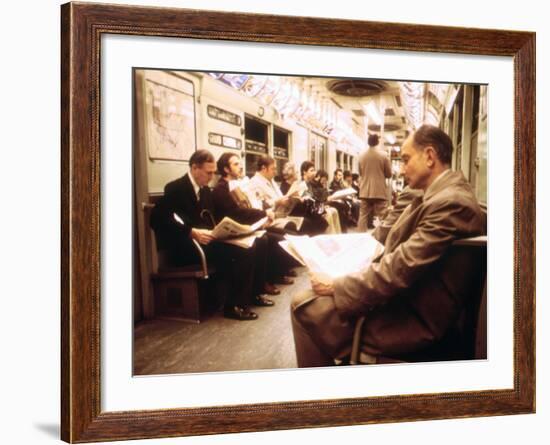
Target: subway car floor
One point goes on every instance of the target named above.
(218, 343)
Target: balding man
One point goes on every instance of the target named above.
(412, 294)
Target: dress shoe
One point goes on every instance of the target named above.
(284, 280)
(270, 289)
(291, 273)
(261, 300)
(239, 313)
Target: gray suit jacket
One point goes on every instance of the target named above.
(374, 168)
(414, 292)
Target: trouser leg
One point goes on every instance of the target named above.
(278, 261)
(342, 208)
(308, 354)
(363, 215)
(260, 265)
(320, 335)
(237, 266)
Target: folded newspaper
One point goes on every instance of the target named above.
(243, 235)
(230, 231)
(331, 256)
(341, 194)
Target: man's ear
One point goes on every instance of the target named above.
(430, 156)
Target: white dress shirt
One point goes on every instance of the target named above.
(264, 189)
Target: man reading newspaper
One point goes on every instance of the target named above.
(413, 293)
(227, 204)
(183, 214)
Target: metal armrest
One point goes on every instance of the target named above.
(356, 345)
(204, 264)
(479, 241)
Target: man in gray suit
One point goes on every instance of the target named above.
(411, 295)
(374, 168)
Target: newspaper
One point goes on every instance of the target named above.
(297, 188)
(244, 194)
(331, 256)
(231, 232)
(229, 228)
(341, 194)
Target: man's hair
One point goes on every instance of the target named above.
(264, 161)
(355, 176)
(306, 165)
(336, 171)
(373, 140)
(289, 170)
(346, 174)
(224, 162)
(200, 157)
(322, 174)
(438, 139)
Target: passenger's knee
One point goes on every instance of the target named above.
(300, 299)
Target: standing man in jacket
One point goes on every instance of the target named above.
(374, 168)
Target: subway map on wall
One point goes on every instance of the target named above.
(170, 119)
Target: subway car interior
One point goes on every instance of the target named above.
(325, 124)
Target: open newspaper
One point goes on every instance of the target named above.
(231, 232)
(331, 256)
(296, 190)
(242, 235)
(341, 194)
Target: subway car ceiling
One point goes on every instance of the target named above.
(294, 119)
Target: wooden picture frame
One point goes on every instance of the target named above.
(82, 26)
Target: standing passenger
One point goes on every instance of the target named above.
(374, 168)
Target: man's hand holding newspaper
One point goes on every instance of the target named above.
(331, 256)
(202, 236)
(228, 231)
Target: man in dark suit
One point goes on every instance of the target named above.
(411, 295)
(279, 262)
(184, 214)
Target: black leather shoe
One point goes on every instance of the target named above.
(261, 300)
(239, 313)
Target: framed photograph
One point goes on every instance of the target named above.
(144, 89)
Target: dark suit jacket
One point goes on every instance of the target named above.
(171, 236)
(414, 293)
(225, 205)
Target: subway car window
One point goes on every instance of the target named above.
(257, 194)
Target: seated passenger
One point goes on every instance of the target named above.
(337, 181)
(264, 189)
(182, 215)
(279, 262)
(321, 194)
(317, 195)
(289, 177)
(413, 293)
(352, 181)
